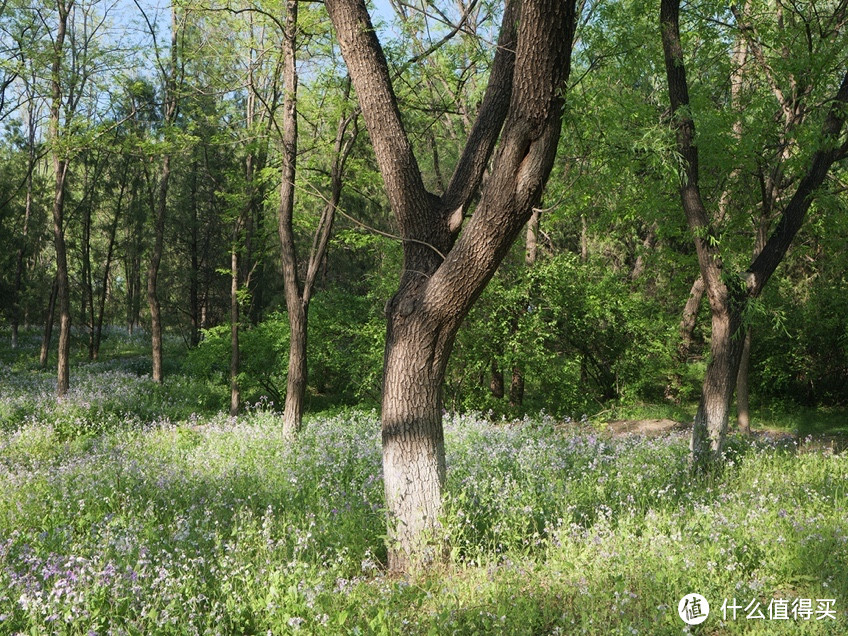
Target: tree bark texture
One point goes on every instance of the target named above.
(296, 378)
(444, 274)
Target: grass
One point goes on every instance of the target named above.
(132, 509)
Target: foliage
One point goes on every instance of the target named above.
(578, 334)
(345, 334)
(179, 522)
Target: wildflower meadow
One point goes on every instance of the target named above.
(133, 508)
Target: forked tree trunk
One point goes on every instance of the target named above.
(297, 299)
(727, 296)
(444, 270)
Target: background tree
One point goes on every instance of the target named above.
(729, 296)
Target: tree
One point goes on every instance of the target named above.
(448, 262)
(60, 171)
(171, 75)
(729, 294)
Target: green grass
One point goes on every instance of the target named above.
(125, 511)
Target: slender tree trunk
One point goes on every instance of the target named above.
(194, 274)
(153, 272)
(60, 170)
(170, 113)
(296, 379)
(743, 409)
(19, 255)
(87, 306)
(235, 395)
(48, 324)
(743, 414)
(104, 283)
(496, 383)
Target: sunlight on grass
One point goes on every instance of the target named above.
(129, 508)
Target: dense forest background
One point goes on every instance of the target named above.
(162, 129)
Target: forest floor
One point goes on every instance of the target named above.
(135, 508)
(834, 443)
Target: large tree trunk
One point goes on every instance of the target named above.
(444, 270)
(413, 440)
(711, 419)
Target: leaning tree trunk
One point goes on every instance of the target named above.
(727, 296)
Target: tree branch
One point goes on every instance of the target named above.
(470, 168)
(793, 214)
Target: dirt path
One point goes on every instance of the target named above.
(658, 427)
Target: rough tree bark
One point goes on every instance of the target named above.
(443, 274)
(728, 294)
(296, 378)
